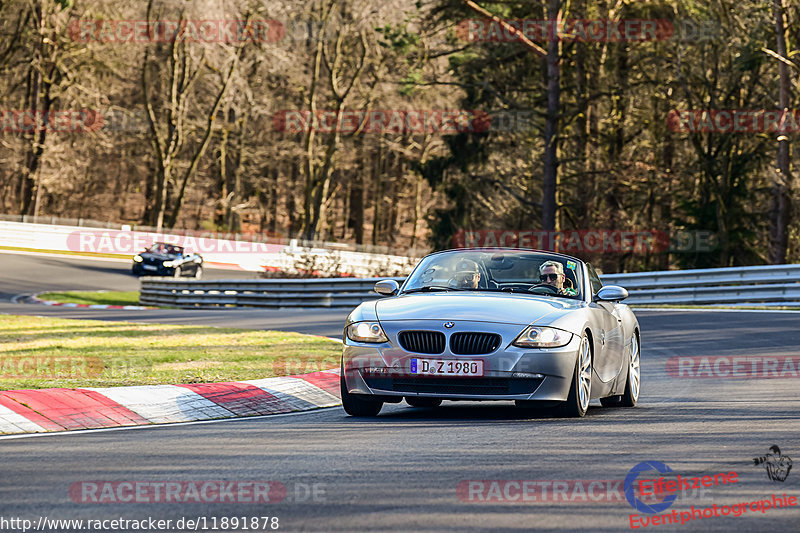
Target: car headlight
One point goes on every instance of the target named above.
(366, 332)
(168, 264)
(541, 337)
(138, 258)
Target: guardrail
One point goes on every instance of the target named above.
(332, 292)
(762, 286)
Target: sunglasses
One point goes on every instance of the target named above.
(546, 277)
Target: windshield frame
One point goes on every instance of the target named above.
(172, 249)
(578, 273)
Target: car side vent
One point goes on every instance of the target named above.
(422, 341)
(469, 343)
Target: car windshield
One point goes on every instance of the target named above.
(166, 249)
(508, 271)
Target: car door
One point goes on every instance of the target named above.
(610, 336)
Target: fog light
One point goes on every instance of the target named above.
(527, 375)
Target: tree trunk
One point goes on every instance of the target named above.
(377, 179)
(780, 213)
(290, 204)
(40, 103)
(551, 124)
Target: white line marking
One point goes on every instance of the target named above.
(155, 426)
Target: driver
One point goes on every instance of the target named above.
(468, 275)
(552, 273)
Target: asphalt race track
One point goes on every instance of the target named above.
(428, 469)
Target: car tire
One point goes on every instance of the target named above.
(198, 273)
(633, 385)
(580, 392)
(177, 273)
(358, 404)
(423, 402)
(632, 382)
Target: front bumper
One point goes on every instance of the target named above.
(160, 270)
(510, 373)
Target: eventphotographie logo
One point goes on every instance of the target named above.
(631, 484)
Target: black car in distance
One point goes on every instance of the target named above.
(164, 259)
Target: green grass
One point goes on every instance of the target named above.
(93, 297)
(41, 352)
(66, 252)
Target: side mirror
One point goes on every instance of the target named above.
(612, 293)
(387, 287)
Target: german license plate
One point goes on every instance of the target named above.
(150, 267)
(446, 367)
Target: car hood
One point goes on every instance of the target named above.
(476, 307)
(162, 257)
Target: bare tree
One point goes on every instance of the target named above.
(781, 208)
(168, 141)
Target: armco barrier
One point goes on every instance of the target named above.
(334, 292)
(763, 286)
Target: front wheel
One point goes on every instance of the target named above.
(423, 402)
(358, 404)
(198, 273)
(633, 383)
(580, 392)
(633, 386)
(178, 272)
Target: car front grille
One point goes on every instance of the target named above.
(468, 343)
(422, 341)
(454, 385)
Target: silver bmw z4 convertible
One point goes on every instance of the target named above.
(535, 327)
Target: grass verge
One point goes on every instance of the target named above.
(41, 352)
(93, 297)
